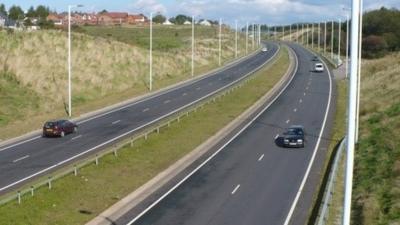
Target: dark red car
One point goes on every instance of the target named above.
(59, 128)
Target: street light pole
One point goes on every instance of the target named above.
(69, 60)
(192, 46)
(352, 110)
(247, 37)
(319, 36)
(290, 32)
(332, 33)
(340, 27)
(283, 35)
(307, 41)
(325, 39)
(359, 69)
(151, 54)
(220, 43)
(347, 45)
(236, 38)
(312, 36)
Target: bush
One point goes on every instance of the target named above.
(374, 46)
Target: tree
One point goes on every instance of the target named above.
(159, 18)
(15, 13)
(3, 9)
(180, 19)
(42, 12)
(31, 12)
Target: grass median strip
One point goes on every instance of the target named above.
(77, 199)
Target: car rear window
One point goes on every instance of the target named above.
(49, 124)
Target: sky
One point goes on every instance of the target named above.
(272, 12)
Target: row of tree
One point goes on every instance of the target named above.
(178, 20)
(381, 32)
(39, 13)
(16, 13)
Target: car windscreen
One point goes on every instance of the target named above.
(294, 132)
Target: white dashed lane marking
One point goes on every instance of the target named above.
(115, 122)
(79, 136)
(22, 158)
(236, 188)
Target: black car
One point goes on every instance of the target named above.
(315, 58)
(59, 128)
(294, 136)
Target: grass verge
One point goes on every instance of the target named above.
(77, 199)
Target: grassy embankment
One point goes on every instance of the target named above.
(376, 192)
(377, 162)
(107, 68)
(75, 200)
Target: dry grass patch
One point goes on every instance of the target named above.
(105, 71)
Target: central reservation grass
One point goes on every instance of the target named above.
(76, 200)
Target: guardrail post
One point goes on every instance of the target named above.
(19, 197)
(97, 160)
(32, 190)
(169, 124)
(49, 182)
(131, 141)
(158, 130)
(115, 151)
(145, 136)
(75, 170)
(187, 113)
(179, 119)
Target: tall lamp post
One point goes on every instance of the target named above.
(193, 46)
(352, 110)
(151, 54)
(69, 59)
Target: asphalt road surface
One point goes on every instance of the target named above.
(22, 161)
(252, 180)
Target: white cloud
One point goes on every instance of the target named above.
(149, 6)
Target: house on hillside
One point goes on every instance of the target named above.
(90, 18)
(187, 22)
(137, 19)
(57, 19)
(113, 18)
(168, 23)
(7, 22)
(205, 23)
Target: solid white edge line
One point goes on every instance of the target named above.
(261, 157)
(22, 158)
(236, 188)
(138, 128)
(189, 82)
(290, 214)
(218, 151)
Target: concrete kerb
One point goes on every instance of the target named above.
(133, 199)
(143, 97)
(154, 128)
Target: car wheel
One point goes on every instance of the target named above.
(62, 134)
(75, 129)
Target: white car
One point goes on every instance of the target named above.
(319, 67)
(264, 49)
